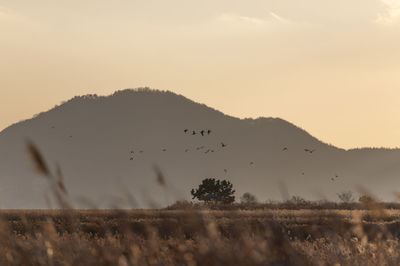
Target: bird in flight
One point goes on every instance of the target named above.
(209, 132)
(199, 148)
(251, 163)
(164, 149)
(186, 130)
(207, 151)
(194, 132)
(202, 132)
(132, 152)
(302, 173)
(285, 149)
(131, 159)
(223, 145)
(309, 151)
(186, 150)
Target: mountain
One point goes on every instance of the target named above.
(93, 139)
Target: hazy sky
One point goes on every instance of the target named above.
(331, 67)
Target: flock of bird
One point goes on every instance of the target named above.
(199, 148)
(202, 132)
(206, 132)
(333, 179)
(224, 145)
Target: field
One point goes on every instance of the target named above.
(200, 237)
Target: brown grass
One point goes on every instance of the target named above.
(162, 237)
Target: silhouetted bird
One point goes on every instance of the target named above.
(199, 148)
(251, 163)
(332, 179)
(186, 130)
(226, 171)
(164, 149)
(131, 159)
(132, 152)
(285, 149)
(309, 151)
(302, 173)
(141, 151)
(202, 132)
(336, 175)
(186, 150)
(207, 151)
(194, 132)
(212, 150)
(223, 145)
(209, 132)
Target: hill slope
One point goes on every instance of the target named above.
(94, 138)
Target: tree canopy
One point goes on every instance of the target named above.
(213, 190)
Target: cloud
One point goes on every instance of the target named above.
(279, 18)
(234, 18)
(255, 22)
(391, 15)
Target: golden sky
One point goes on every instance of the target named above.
(330, 67)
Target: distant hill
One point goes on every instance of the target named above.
(93, 139)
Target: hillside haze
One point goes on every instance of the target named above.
(109, 147)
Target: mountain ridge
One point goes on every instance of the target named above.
(103, 143)
(131, 92)
(93, 98)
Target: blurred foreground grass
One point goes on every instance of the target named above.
(200, 237)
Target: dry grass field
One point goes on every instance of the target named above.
(188, 237)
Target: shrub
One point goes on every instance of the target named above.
(248, 198)
(365, 199)
(346, 196)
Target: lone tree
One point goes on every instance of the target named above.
(248, 198)
(213, 190)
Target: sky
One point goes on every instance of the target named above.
(330, 67)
